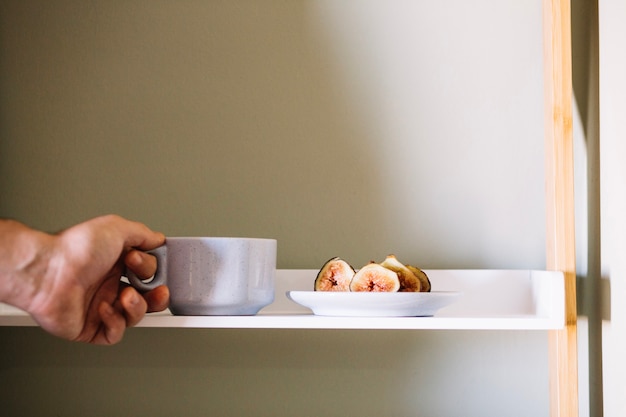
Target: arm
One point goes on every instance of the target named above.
(70, 282)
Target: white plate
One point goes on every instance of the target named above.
(373, 304)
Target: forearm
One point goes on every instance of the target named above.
(24, 261)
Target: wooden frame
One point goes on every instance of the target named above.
(560, 242)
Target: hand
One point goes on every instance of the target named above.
(81, 297)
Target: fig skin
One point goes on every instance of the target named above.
(409, 282)
(335, 275)
(375, 278)
(421, 275)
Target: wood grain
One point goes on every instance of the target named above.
(560, 238)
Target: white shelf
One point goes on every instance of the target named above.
(490, 299)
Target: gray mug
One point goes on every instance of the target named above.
(214, 276)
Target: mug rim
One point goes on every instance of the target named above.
(218, 238)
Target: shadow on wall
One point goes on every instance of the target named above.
(218, 119)
(199, 372)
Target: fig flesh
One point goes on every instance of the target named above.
(409, 282)
(335, 275)
(421, 275)
(375, 278)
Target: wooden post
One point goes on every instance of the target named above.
(560, 243)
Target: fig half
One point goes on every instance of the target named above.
(421, 275)
(335, 275)
(375, 278)
(408, 281)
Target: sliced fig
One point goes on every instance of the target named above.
(421, 275)
(375, 278)
(335, 275)
(408, 281)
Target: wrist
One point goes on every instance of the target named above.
(25, 256)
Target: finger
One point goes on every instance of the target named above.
(141, 237)
(158, 299)
(133, 305)
(113, 325)
(142, 264)
(135, 234)
(150, 240)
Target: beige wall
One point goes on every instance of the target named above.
(340, 128)
(351, 128)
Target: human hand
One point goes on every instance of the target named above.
(80, 297)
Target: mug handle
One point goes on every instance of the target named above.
(160, 276)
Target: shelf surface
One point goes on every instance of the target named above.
(490, 299)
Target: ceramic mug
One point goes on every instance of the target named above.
(214, 276)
